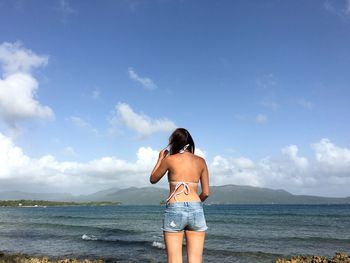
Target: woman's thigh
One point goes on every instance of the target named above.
(173, 244)
(195, 244)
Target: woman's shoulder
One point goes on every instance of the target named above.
(198, 158)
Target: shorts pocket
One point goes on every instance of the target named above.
(199, 221)
(172, 221)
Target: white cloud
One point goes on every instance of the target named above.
(238, 171)
(261, 119)
(146, 156)
(18, 87)
(328, 153)
(144, 81)
(48, 174)
(11, 157)
(14, 58)
(243, 162)
(142, 124)
(291, 152)
(327, 174)
(200, 152)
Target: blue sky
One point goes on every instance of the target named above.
(263, 87)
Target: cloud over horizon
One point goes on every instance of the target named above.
(330, 168)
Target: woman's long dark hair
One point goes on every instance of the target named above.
(178, 139)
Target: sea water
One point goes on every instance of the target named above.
(236, 233)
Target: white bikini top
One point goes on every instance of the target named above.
(186, 188)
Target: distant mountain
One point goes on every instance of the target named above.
(97, 196)
(144, 195)
(237, 194)
(226, 194)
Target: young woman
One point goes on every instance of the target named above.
(184, 209)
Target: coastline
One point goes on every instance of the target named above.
(8, 257)
(340, 257)
(43, 203)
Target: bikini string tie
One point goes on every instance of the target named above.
(185, 189)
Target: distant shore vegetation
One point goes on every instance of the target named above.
(43, 203)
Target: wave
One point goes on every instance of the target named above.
(79, 227)
(86, 237)
(89, 237)
(156, 244)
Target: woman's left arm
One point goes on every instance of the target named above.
(160, 168)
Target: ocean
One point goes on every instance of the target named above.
(236, 233)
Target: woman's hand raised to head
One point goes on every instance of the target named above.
(163, 153)
(160, 168)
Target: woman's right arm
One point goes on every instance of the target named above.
(204, 183)
(160, 168)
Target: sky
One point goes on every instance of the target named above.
(91, 90)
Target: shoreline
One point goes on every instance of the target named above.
(11, 257)
(43, 203)
(340, 257)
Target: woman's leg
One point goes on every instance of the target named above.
(173, 245)
(195, 244)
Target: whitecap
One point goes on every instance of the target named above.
(87, 237)
(158, 244)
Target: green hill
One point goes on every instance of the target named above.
(226, 194)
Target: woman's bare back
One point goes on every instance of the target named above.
(189, 168)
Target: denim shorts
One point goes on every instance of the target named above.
(179, 216)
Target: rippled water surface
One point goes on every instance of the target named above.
(237, 233)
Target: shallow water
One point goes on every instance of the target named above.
(237, 233)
